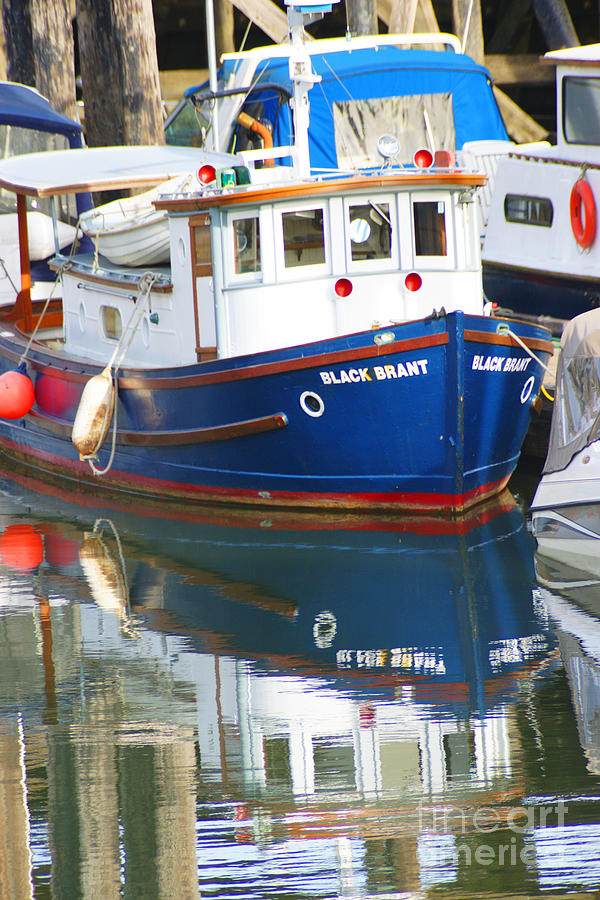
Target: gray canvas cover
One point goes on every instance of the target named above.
(576, 413)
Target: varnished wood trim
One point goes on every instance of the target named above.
(505, 340)
(286, 365)
(57, 368)
(192, 234)
(175, 437)
(116, 183)
(116, 282)
(322, 188)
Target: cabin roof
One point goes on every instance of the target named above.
(588, 55)
(101, 168)
(375, 182)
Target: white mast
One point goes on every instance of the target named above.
(212, 68)
(301, 13)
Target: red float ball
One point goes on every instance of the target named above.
(21, 548)
(17, 395)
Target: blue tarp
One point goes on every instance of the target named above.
(384, 72)
(22, 106)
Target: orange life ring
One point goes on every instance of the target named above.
(583, 214)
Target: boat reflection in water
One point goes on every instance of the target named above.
(567, 568)
(262, 704)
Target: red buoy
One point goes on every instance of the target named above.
(17, 395)
(21, 548)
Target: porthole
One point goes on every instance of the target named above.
(110, 318)
(82, 317)
(145, 332)
(181, 250)
(312, 404)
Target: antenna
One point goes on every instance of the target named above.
(301, 13)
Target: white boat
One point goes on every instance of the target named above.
(541, 246)
(571, 476)
(130, 231)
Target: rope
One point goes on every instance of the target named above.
(59, 273)
(527, 350)
(144, 288)
(546, 394)
(7, 275)
(99, 525)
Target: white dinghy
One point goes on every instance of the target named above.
(130, 231)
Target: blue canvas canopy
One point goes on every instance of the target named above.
(24, 107)
(385, 71)
(388, 72)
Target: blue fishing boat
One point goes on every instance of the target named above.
(451, 617)
(316, 339)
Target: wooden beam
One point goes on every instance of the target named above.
(174, 82)
(361, 17)
(556, 24)
(520, 126)
(466, 16)
(402, 19)
(425, 18)
(518, 69)
(267, 16)
(509, 23)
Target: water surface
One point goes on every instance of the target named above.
(239, 705)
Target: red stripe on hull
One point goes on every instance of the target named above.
(154, 487)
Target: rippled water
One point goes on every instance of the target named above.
(242, 705)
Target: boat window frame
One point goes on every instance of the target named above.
(567, 128)
(232, 277)
(380, 264)
(529, 220)
(102, 320)
(300, 272)
(428, 261)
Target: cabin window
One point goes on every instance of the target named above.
(430, 228)
(111, 322)
(581, 110)
(246, 245)
(370, 231)
(303, 237)
(201, 247)
(528, 210)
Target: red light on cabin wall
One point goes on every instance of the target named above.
(423, 158)
(413, 281)
(206, 174)
(343, 287)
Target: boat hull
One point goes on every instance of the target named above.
(428, 415)
(540, 293)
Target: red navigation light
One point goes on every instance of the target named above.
(206, 174)
(413, 281)
(423, 158)
(343, 287)
(444, 159)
